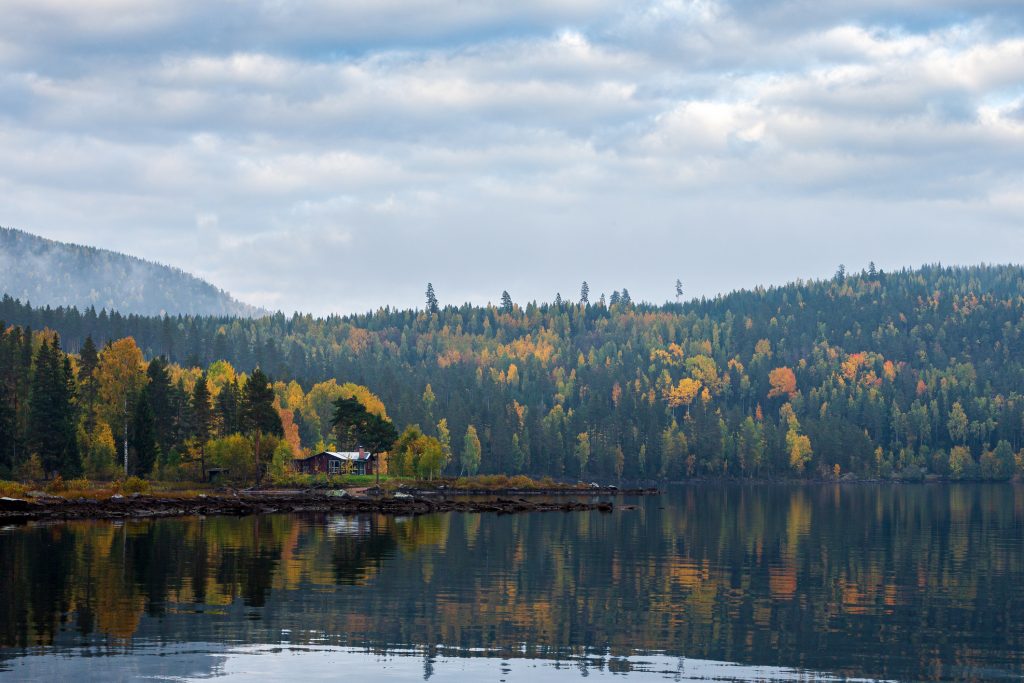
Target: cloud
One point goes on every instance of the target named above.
(335, 157)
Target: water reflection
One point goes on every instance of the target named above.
(277, 662)
(920, 582)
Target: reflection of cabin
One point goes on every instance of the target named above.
(332, 462)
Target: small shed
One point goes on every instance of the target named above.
(338, 462)
(215, 474)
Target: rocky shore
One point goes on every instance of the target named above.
(271, 502)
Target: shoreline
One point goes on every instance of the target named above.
(150, 506)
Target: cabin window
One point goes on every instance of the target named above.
(333, 466)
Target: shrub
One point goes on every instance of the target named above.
(56, 485)
(99, 452)
(912, 473)
(134, 485)
(234, 453)
(961, 464)
(12, 489)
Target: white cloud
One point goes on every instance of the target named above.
(512, 145)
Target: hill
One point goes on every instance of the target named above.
(874, 373)
(50, 273)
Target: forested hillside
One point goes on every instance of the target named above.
(872, 373)
(49, 273)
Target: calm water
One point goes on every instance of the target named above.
(702, 583)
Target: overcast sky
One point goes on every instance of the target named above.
(336, 156)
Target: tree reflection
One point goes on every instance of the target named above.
(819, 577)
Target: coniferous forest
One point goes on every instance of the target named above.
(872, 374)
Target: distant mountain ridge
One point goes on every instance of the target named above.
(51, 273)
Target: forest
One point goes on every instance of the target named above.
(872, 374)
(35, 269)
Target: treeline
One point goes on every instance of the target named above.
(104, 413)
(872, 373)
(33, 268)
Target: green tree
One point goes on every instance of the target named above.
(961, 464)
(88, 386)
(432, 306)
(259, 417)
(444, 437)
(202, 419)
(348, 415)
(52, 433)
(471, 451)
(582, 451)
(429, 399)
(229, 408)
(100, 458)
(143, 438)
(160, 394)
(957, 424)
(378, 435)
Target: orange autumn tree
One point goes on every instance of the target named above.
(783, 382)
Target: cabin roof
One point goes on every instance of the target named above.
(349, 456)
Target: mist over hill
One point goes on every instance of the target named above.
(50, 273)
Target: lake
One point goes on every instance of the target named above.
(705, 582)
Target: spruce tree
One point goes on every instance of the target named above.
(432, 305)
(202, 418)
(259, 417)
(145, 447)
(160, 394)
(51, 427)
(88, 360)
(228, 406)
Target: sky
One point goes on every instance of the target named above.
(336, 156)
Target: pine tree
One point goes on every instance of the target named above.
(259, 417)
(88, 361)
(584, 294)
(145, 449)
(51, 428)
(506, 302)
(10, 345)
(432, 306)
(160, 392)
(228, 409)
(679, 289)
(202, 419)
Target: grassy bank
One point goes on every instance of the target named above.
(99, 490)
